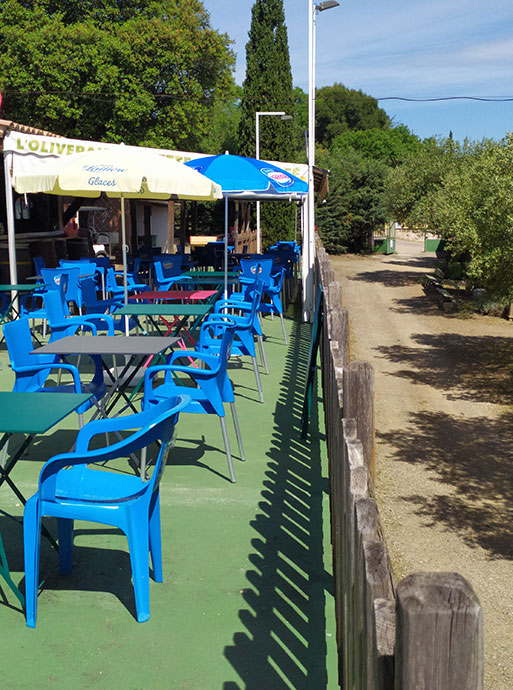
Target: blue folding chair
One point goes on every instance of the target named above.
(213, 386)
(70, 490)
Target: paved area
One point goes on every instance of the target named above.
(246, 600)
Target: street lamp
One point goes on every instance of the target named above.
(309, 240)
(258, 115)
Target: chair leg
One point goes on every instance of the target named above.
(283, 329)
(65, 536)
(4, 454)
(257, 377)
(31, 545)
(155, 537)
(139, 546)
(227, 449)
(262, 353)
(237, 431)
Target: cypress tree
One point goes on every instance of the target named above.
(268, 87)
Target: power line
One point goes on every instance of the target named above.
(506, 99)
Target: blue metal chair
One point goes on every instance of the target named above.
(69, 490)
(213, 386)
(32, 371)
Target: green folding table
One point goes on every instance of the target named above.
(30, 414)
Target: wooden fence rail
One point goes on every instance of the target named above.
(426, 632)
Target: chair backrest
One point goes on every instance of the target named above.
(89, 295)
(39, 263)
(257, 267)
(72, 291)
(18, 338)
(217, 329)
(55, 308)
(101, 261)
(156, 424)
(167, 266)
(245, 322)
(56, 280)
(110, 280)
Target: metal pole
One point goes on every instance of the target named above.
(11, 240)
(309, 238)
(257, 156)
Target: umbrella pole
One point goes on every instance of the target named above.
(125, 265)
(226, 247)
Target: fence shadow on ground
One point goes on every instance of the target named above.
(282, 643)
(471, 459)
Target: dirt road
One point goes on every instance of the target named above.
(444, 433)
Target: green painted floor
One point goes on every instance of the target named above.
(246, 601)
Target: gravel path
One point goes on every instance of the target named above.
(444, 433)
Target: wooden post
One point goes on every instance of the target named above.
(359, 403)
(147, 225)
(439, 634)
(171, 227)
(183, 223)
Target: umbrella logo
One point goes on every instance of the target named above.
(278, 176)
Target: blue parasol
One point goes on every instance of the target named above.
(248, 179)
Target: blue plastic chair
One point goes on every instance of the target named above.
(62, 325)
(117, 289)
(95, 307)
(32, 370)
(127, 502)
(57, 281)
(213, 386)
(245, 315)
(274, 304)
(167, 269)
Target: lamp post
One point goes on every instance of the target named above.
(258, 115)
(309, 240)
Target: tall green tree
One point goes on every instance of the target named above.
(355, 206)
(116, 70)
(268, 87)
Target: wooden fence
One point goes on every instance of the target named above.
(425, 632)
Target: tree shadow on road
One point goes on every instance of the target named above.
(389, 278)
(474, 368)
(471, 459)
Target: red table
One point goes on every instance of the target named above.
(171, 295)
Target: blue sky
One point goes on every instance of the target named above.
(402, 48)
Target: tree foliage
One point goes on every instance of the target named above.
(390, 146)
(355, 206)
(118, 70)
(339, 109)
(464, 193)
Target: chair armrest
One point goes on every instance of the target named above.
(78, 321)
(58, 365)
